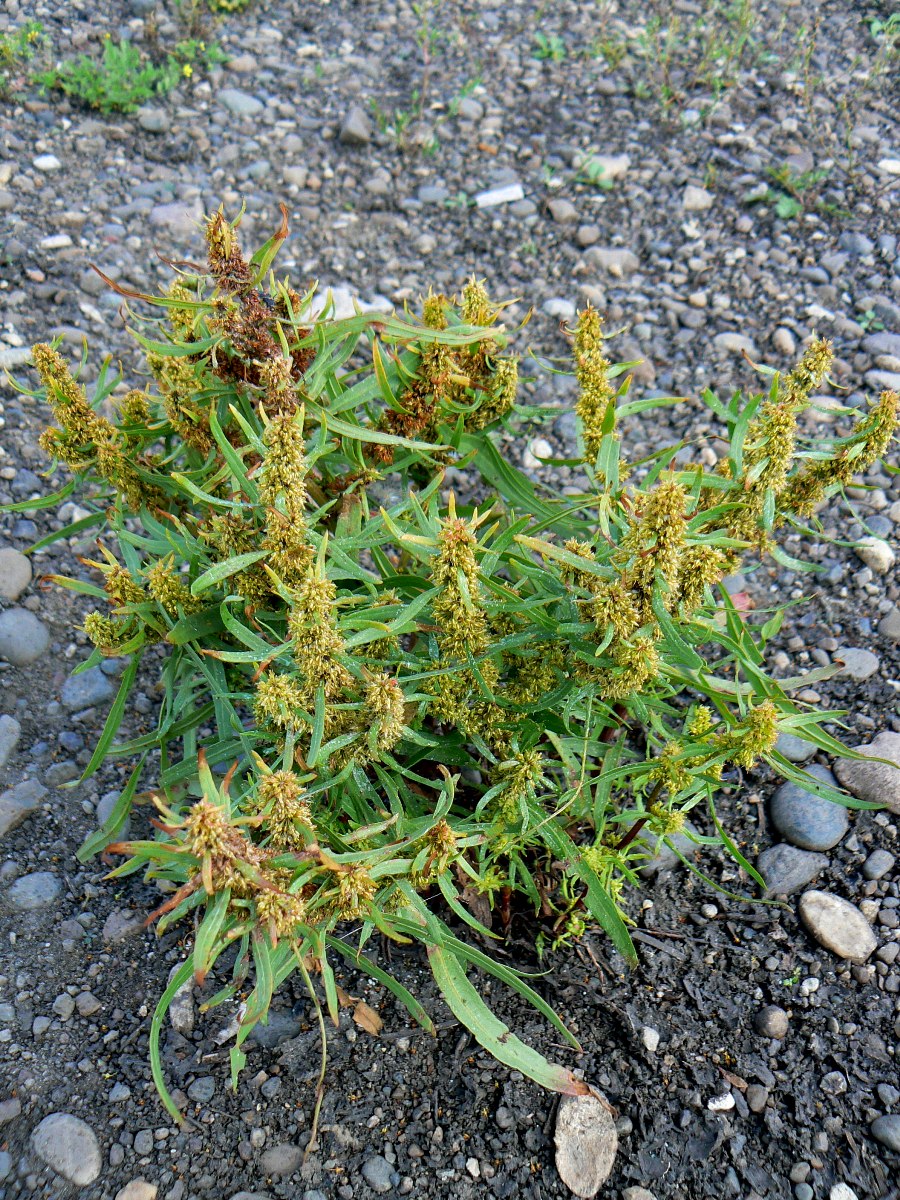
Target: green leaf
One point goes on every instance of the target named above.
(115, 822)
(468, 1007)
(113, 720)
(223, 570)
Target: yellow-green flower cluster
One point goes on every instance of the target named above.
(109, 634)
(279, 911)
(770, 443)
(656, 544)
(592, 373)
(385, 704)
(281, 801)
(277, 701)
(356, 891)
(519, 776)
(866, 445)
(169, 591)
(282, 490)
(86, 438)
(317, 642)
(702, 567)
(752, 737)
(461, 622)
(231, 534)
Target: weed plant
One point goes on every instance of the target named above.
(123, 78)
(386, 711)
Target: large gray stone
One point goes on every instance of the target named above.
(887, 1131)
(69, 1146)
(859, 664)
(15, 573)
(806, 820)
(242, 104)
(877, 782)
(787, 869)
(20, 802)
(40, 889)
(23, 637)
(586, 1143)
(87, 689)
(356, 128)
(837, 925)
(283, 1159)
(10, 732)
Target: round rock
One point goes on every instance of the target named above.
(787, 869)
(837, 925)
(771, 1022)
(69, 1146)
(887, 1131)
(87, 689)
(878, 864)
(586, 1143)
(876, 554)
(23, 637)
(877, 782)
(138, 1189)
(38, 890)
(858, 664)
(15, 573)
(806, 820)
(378, 1174)
(283, 1159)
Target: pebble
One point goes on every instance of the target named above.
(794, 748)
(493, 197)
(889, 625)
(87, 689)
(69, 1146)
(177, 217)
(805, 820)
(787, 869)
(47, 163)
(837, 925)
(614, 259)
(735, 343)
(202, 1090)
(154, 120)
(20, 802)
(607, 166)
(842, 1191)
(637, 1193)
(242, 104)
(586, 1143)
(559, 308)
(138, 1189)
(858, 664)
(283, 1159)
(356, 128)
(878, 864)
(378, 1174)
(875, 553)
(10, 732)
(771, 1022)
(23, 636)
(696, 199)
(15, 573)
(650, 1038)
(40, 889)
(723, 1103)
(562, 211)
(887, 1131)
(784, 341)
(876, 782)
(757, 1097)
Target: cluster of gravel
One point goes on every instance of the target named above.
(754, 1052)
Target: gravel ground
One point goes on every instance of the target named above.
(748, 1055)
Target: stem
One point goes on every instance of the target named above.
(641, 821)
